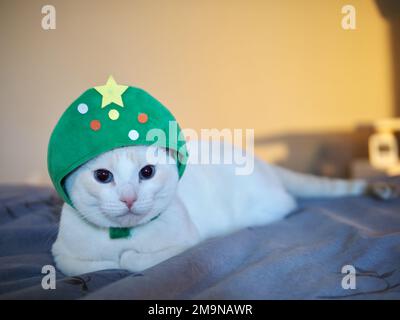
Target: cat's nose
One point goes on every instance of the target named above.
(128, 201)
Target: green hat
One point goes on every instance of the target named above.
(108, 117)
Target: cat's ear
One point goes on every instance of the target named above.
(162, 155)
(172, 153)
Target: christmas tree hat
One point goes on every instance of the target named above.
(108, 117)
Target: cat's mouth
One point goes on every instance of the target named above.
(127, 219)
(129, 213)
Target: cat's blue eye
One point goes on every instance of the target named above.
(103, 176)
(147, 172)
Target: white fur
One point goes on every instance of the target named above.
(209, 200)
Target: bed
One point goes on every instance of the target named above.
(300, 257)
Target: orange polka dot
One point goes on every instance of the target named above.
(142, 118)
(95, 125)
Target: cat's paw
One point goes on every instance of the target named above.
(133, 261)
(75, 266)
(383, 190)
(138, 261)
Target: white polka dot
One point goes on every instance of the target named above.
(133, 135)
(83, 108)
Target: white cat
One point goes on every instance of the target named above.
(120, 188)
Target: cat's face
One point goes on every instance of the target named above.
(121, 188)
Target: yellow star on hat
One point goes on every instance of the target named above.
(111, 92)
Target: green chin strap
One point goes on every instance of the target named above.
(123, 233)
(119, 233)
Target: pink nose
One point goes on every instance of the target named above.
(128, 201)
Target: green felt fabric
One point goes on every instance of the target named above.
(73, 141)
(119, 233)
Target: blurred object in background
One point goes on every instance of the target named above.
(383, 146)
(371, 150)
(328, 154)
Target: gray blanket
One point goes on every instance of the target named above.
(300, 257)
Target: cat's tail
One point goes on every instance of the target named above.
(309, 186)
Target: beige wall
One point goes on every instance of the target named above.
(276, 66)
